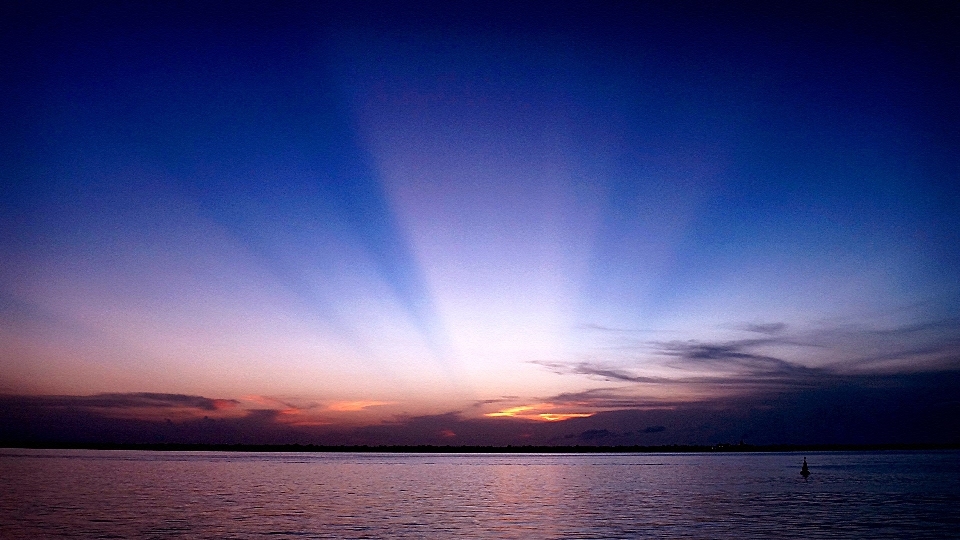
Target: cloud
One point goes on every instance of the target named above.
(133, 401)
(312, 413)
(828, 384)
(613, 329)
(874, 409)
(613, 398)
(601, 328)
(923, 346)
(134, 418)
(505, 399)
(352, 406)
(766, 328)
(598, 370)
(734, 358)
(775, 361)
(288, 412)
(547, 412)
(699, 371)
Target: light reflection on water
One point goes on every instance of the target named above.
(130, 494)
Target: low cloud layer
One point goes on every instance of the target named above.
(907, 409)
(769, 384)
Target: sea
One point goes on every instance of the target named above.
(723, 495)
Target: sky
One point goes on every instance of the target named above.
(480, 223)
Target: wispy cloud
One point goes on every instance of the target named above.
(766, 328)
(504, 399)
(845, 360)
(137, 400)
(924, 346)
(625, 397)
(598, 370)
(142, 405)
(775, 359)
(270, 402)
(732, 359)
(697, 368)
(615, 330)
(171, 400)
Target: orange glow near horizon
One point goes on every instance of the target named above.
(295, 417)
(559, 417)
(513, 411)
(312, 414)
(529, 412)
(353, 406)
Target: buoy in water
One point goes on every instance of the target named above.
(805, 471)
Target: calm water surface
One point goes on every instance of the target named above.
(130, 494)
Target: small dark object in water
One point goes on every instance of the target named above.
(805, 471)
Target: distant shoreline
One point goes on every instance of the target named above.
(435, 449)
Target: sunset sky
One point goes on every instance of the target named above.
(479, 223)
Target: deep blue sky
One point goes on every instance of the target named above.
(328, 217)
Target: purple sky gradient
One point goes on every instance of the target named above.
(397, 224)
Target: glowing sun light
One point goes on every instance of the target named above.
(530, 412)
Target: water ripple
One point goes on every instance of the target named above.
(89, 494)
